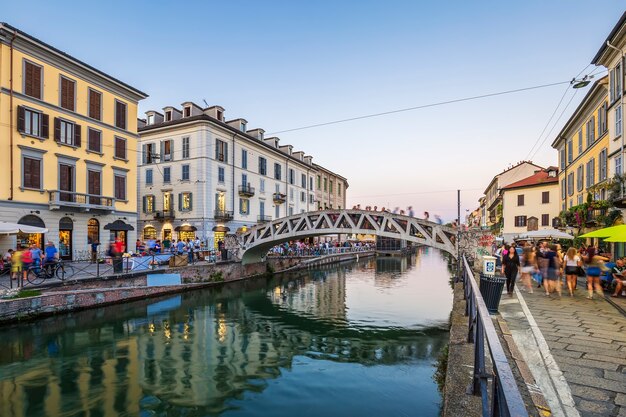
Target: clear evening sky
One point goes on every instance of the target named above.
(287, 64)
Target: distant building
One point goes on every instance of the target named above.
(330, 192)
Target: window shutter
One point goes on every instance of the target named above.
(45, 122)
(57, 129)
(20, 119)
(180, 201)
(77, 136)
(226, 152)
(36, 82)
(145, 204)
(162, 151)
(190, 201)
(171, 142)
(217, 152)
(143, 153)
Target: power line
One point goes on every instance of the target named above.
(423, 106)
(416, 193)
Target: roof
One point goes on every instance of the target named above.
(67, 56)
(495, 177)
(609, 38)
(538, 178)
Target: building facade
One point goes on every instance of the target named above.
(330, 189)
(202, 176)
(530, 204)
(70, 163)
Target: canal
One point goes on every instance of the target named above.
(356, 339)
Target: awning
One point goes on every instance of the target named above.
(118, 225)
(31, 220)
(14, 228)
(185, 228)
(221, 229)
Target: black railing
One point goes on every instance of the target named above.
(223, 215)
(246, 190)
(58, 199)
(164, 215)
(279, 198)
(262, 218)
(506, 400)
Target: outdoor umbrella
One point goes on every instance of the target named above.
(606, 232)
(14, 228)
(618, 235)
(546, 234)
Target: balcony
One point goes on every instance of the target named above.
(223, 215)
(279, 198)
(164, 215)
(85, 202)
(246, 191)
(264, 218)
(596, 217)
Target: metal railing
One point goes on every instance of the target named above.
(223, 215)
(263, 218)
(246, 190)
(312, 252)
(58, 199)
(279, 198)
(163, 215)
(506, 400)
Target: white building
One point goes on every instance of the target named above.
(203, 176)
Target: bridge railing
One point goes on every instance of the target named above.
(503, 398)
(312, 252)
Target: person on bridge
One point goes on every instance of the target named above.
(426, 216)
(510, 266)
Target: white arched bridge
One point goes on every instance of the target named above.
(255, 242)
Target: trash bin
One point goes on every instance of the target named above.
(491, 290)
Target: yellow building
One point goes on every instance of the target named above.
(68, 160)
(583, 146)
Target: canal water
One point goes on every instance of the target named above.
(355, 339)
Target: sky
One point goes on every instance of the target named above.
(283, 65)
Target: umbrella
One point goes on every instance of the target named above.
(618, 235)
(606, 232)
(14, 228)
(546, 234)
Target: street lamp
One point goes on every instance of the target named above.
(582, 83)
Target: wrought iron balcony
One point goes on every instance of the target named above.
(279, 198)
(164, 215)
(59, 199)
(596, 216)
(246, 191)
(264, 218)
(223, 215)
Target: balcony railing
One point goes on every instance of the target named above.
(59, 199)
(279, 198)
(164, 215)
(246, 191)
(595, 216)
(223, 215)
(264, 218)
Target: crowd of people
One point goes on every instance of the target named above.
(299, 248)
(21, 259)
(549, 265)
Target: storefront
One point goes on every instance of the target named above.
(149, 233)
(24, 240)
(93, 231)
(186, 232)
(119, 230)
(219, 234)
(66, 226)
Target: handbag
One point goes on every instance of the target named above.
(580, 271)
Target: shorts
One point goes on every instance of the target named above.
(528, 269)
(593, 271)
(571, 270)
(26, 265)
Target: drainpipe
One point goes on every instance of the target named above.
(11, 114)
(233, 176)
(622, 106)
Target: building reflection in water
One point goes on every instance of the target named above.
(195, 353)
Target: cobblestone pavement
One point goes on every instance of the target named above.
(575, 348)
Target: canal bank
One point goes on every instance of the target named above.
(95, 292)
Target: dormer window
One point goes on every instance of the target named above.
(220, 115)
(151, 119)
(168, 115)
(242, 126)
(187, 111)
(261, 135)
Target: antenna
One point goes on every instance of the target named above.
(205, 103)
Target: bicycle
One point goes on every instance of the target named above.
(38, 274)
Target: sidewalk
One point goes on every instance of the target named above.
(575, 349)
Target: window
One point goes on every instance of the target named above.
(94, 140)
(520, 221)
(242, 127)
(262, 210)
(120, 148)
(563, 194)
(185, 201)
(168, 115)
(330, 187)
(520, 200)
(262, 185)
(311, 198)
(615, 82)
(562, 158)
(277, 171)
(580, 175)
(148, 153)
(262, 166)
(185, 173)
(120, 187)
(580, 141)
(570, 151)
(545, 197)
(325, 184)
(303, 181)
(580, 199)
(166, 150)
(277, 188)
(618, 120)
(186, 147)
(602, 165)
(591, 173)
(167, 174)
(148, 204)
(167, 201)
(244, 179)
(244, 206)
(68, 90)
(244, 159)
(570, 183)
(66, 132)
(95, 104)
(31, 122)
(591, 131)
(221, 150)
(339, 189)
(319, 182)
(291, 194)
(311, 183)
(31, 173)
(602, 119)
(545, 220)
(302, 196)
(291, 211)
(292, 176)
(148, 176)
(32, 79)
(120, 114)
(187, 111)
(220, 174)
(618, 165)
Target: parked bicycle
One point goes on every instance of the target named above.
(38, 274)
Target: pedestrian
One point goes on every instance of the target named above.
(572, 264)
(410, 211)
(51, 256)
(16, 262)
(618, 277)
(529, 266)
(37, 255)
(426, 216)
(138, 246)
(595, 264)
(510, 266)
(180, 247)
(551, 281)
(189, 248)
(94, 251)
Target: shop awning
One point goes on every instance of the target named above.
(14, 228)
(118, 225)
(185, 228)
(221, 229)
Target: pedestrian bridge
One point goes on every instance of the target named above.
(256, 241)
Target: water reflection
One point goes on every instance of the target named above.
(209, 352)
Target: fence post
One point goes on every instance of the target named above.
(97, 266)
